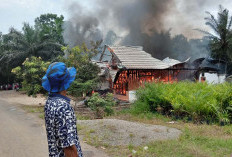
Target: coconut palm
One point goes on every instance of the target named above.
(221, 38)
(18, 46)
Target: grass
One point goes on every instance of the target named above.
(199, 102)
(197, 140)
(188, 145)
(35, 109)
(89, 139)
(81, 117)
(40, 111)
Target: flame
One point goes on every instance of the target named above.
(134, 79)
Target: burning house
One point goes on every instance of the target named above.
(126, 68)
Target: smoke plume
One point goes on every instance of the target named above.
(148, 23)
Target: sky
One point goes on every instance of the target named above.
(14, 12)
(186, 16)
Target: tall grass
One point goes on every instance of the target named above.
(194, 101)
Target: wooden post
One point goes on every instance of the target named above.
(102, 53)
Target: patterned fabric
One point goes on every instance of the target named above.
(60, 122)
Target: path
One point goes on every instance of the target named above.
(20, 134)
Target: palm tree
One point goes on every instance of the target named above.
(18, 46)
(221, 38)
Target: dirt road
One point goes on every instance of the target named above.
(23, 134)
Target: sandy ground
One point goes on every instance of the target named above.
(116, 132)
(14, 97)
(18, 98)
(21, 134)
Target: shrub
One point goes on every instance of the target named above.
(196, 101)
(150, 98)
(31, 73)
(102, 104)
(87, 78)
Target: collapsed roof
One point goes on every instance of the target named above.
(209, 64)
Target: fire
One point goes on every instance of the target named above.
(133, 79)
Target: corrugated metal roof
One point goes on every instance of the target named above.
(132, 57)
(172, 62)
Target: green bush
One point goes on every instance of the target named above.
(102, 105)
(152, 98)
(87, 78)
(194, 101)
(31, 73)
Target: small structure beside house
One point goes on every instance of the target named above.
(210, 70)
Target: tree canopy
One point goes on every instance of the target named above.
(44, 40)
(50, 26)
(87, 72)
(221, 41)
(221, 37)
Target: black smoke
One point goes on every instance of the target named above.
(126, 22)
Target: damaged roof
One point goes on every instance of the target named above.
(133, 57)
(172, 62)
(209, 64)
